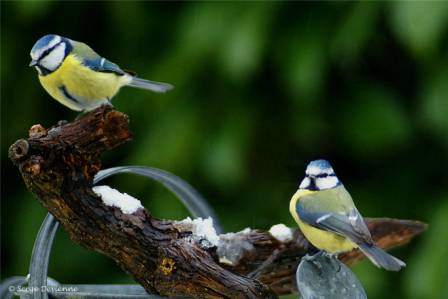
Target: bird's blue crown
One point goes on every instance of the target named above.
(319, 167)
(321, 164)
(43, 42)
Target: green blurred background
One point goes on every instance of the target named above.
(261, 89)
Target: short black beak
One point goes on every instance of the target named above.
(33, 63)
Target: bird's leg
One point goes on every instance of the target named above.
(109, 102)
(320, 253)
(334, 257)
(330, 255)
(312, 259)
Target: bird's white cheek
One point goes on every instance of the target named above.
(54, 59)
(327, 182)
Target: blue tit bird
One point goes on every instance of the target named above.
(79, 78)
(328, 218)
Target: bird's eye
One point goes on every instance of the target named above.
(45, 53)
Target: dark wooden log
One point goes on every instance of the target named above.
(58, 166)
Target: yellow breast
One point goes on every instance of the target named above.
(91, 88)
(323, 240)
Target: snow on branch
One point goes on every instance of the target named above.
(113, 198)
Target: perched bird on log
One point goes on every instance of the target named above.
(328, 218)
(79, 78)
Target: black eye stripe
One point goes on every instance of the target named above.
(45, 53)
(48, 51)
(321, 175)
(324, 175)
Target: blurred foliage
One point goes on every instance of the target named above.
(261, 89)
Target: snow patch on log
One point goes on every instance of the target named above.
(114, 198)
(281, 232)
(202, 229)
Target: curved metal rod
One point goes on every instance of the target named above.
(10, 285)
(41, 255)
(191, 199)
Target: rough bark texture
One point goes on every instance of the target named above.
(58, 166)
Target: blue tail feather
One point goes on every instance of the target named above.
(381, 258)
(150, 85)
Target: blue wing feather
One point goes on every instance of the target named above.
(101, 64)
(92, 60)
(337, 223)
(352, 226)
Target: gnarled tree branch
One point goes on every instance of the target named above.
(58, 166)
